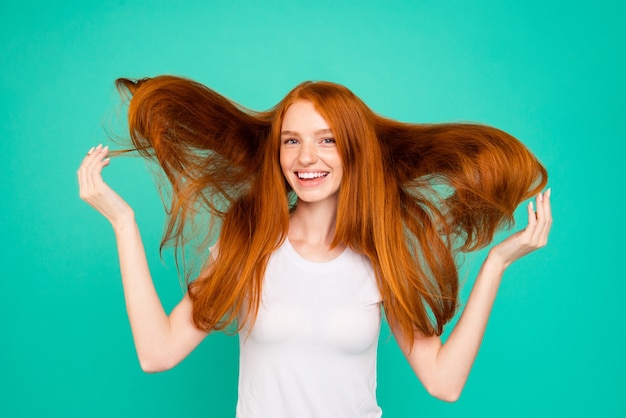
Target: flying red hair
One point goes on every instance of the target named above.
(411, 197)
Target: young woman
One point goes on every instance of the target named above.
(329, 214)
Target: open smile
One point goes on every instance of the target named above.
(311, 175)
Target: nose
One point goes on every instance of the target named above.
(307, 154)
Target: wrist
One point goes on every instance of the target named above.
(496, 261)
(123, 222)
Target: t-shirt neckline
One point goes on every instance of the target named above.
(319, 266)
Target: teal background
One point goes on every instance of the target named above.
(551, 73)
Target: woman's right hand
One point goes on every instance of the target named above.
(96, 192)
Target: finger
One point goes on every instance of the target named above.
(97, 179)
(532, 217)
(546, 221)
(101, 188)
(85, 171)
(88, 164)
(540, 215)
(548, 205)
(94, 166)
(83, 182)
(93, 158)
(90, 156)
(547, 208)
(540, 212)
(80, 174)
(91, 161)
(91, 150)
(100, 163)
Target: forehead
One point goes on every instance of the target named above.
(303, 116)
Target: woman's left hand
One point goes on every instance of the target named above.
(533, 237)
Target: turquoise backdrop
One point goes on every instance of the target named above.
(550, 72)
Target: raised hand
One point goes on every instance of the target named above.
(533, 237)
(96, 192)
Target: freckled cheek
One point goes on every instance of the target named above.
(282, 158)
(285, 165)
(335, 162)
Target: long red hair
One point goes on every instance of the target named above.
(412, 195)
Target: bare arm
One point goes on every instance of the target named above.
(161, 341)
(444, 368)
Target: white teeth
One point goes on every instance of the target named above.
(311, 175)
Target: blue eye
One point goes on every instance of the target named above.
(290, 141)
(328, 140)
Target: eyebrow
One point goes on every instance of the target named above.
(319, 132)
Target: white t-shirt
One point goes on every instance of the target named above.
(312, 349)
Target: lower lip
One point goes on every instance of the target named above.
(311, 182)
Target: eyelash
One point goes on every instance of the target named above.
(293, 141)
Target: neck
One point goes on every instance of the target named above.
(313, 223)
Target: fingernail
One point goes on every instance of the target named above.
(540, 197)
(91, 150)
(549, 192)
(531, 205)
(99, 147)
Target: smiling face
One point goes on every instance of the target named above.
(309, 157)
